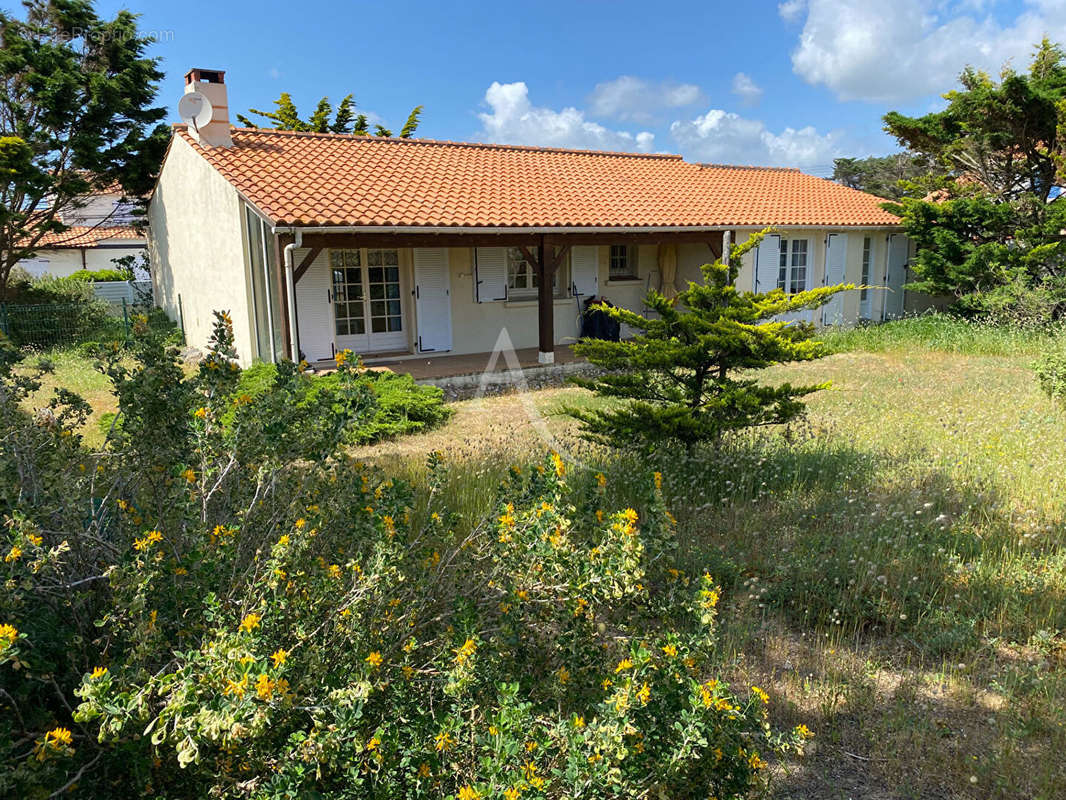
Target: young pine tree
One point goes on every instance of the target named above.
(686, 376)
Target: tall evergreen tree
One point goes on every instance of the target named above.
(992, 235)
(76, 115)
(686, 376)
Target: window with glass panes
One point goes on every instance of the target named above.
(349, 309)
(792, 271)
(522, 276)
(866, 247)
(623, 262)
(383, 287)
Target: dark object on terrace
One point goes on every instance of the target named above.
(596, 323)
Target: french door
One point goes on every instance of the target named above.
(367, 300)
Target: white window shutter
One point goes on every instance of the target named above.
(585, 270)
(490, 274)
(767, 263)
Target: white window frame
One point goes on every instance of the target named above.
(867, 266)
(787, 265)
(632, 262)
(530, 290)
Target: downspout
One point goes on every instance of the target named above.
(290, 295)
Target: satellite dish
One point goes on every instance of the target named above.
(195, 109)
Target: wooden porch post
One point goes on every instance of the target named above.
(546, 267)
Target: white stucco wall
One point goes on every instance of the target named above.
(196, 244)
(67, 261)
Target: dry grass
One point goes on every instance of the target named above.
(894, 567)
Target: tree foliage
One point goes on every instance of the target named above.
(992, 230)
(685, 377)
(285, 117)
(890, 177)
(76, 115)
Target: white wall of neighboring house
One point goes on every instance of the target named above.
(107, 209)
(66, 261)
(196, 246)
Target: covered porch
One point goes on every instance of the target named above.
(411, 297)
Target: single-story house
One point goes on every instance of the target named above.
(316, 243)
(98, 231)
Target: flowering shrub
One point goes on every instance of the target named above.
(242, 610)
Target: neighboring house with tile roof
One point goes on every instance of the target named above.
(98, 231)
(320, 242)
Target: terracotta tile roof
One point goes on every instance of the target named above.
(329, 179)
(87, 236)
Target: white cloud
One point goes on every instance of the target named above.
(792, 10)
(749, 92)
(512, 119)
(910, 49)
(727, 138)
(637, 100)
(274, 73)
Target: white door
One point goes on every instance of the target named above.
(433, 302)
(584, 271)
(896, 275)
(313, 313)
(836, 248)
(795, 274)
(866, 296)
(367, 300)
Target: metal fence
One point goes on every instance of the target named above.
(47, 325)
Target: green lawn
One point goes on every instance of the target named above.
(894, 566)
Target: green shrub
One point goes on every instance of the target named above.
(49, 311)
(1050, 371)
(103, 275)
(400, 406)
(236, 615)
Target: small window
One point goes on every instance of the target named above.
(522, 276)
(623, 265)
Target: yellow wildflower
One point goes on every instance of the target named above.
(601, 479)
(189, 475)
(804, 732)
(579, 722)
(559, 464)
(201, 412)
(444, 742)
(658, 480)
(424, 771)
(300, 523)
(511, 793)
(670, 650)
(624, 664)
(564, 676)
(242, 400)
(250, 622)
(644, 694)
(462, 654)
(467, 792)
(98, 672)
(59, 737)
(374, 659)
(279, 657)
(755, 690)
(283, 540)
(342, 357)
(372, 745)
(334, 571)
(756, 762)
(13, 553)
(264, 687)
(8, 634)
(237, 688)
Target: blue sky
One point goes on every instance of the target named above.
(793, 83)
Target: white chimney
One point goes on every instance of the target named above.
(212, 85)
